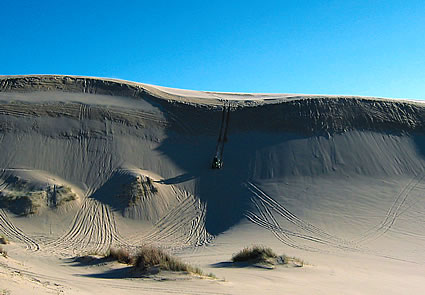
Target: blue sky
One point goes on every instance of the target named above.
(372, 48)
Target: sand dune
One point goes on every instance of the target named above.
(90, 163)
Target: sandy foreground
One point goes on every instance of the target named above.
(89, 164)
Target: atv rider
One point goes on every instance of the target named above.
(216, 163)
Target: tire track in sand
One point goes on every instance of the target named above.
(183, 226)
(290, 217)
(393, 212)
(93, 230)
(266, 220)
(12, 232)
(266, 205)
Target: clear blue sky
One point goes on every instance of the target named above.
(373, 48)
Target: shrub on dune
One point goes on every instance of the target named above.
(3, 240)
(3, 252)
(148, 258)
(264, 255)
(254, 253)
(120, 255)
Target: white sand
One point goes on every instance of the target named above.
(336, 181)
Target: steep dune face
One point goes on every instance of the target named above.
(299, 138)
(87, 131)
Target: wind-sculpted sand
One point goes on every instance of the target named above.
(92, 164)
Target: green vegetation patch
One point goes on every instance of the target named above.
(24, 198)
(254, 254)
(148, 258)
(120, 255)
(23, 203)
(264, 255)
(62, 195)
(140, 189)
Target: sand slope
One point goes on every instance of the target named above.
(337, 181)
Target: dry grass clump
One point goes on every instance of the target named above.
(3, 252)
(294, 261)
(3, 240)
(120, 255)
(23, 198)
(265, 255)
(254, 254)
(141, 188)
(24, 204)
(62, 195)
(148, 258)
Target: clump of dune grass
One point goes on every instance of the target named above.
(3, 252)
(120, 255)
(3, 240)
(148, 258)
(294, 261)
(265, 255)
(254, 254)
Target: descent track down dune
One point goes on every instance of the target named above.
(317, 172)
(222, 138)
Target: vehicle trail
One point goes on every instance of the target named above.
(224, 127)
(183, 226)
(267, 221)
(292, 218)
(93, 230)
(265, 206)
(393, 212)
(8, 229)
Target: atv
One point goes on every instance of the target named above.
(216, 163)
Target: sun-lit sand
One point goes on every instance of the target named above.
(90, 164)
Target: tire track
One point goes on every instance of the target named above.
(263, 221)
(93, 230)
(393, 212)
(12, 232)
(292, 218)
(81, 111)
(265, 206)
(268, 221)
(183, 226)
(284, 236)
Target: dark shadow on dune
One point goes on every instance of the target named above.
(110, 192)
(419, 139)
(178, 179)
(229, 264)
(87, 261)
(119, 273)
(223, 191)
(223, 264)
